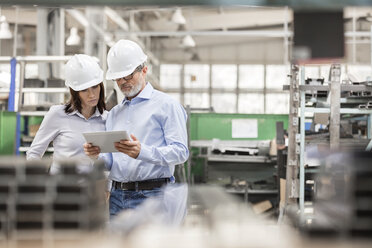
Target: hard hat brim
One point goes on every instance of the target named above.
(115, 75)
(87, 84)
(110, 75)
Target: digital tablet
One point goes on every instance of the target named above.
(106, 140)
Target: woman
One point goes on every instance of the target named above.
(85, 112)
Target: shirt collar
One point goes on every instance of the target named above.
(144, 94)
(95, 114)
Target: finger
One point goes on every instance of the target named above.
(128, 143)
(120, 146)
(93, 150)
(133, 137)
(124, 150)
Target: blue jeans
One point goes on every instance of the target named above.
(129, 199)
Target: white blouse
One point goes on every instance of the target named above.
(65, 130)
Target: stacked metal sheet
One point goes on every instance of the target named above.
(343, 205)
(309, 94)
(32, 200)
(361, 93)
(368, 105)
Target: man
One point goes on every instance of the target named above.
(157, 124)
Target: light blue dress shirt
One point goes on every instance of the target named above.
(65, 130)
(159, 123)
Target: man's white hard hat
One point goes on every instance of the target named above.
(123, 58)
(82, 72)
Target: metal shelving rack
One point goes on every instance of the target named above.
(20, 90)
(36, 205)
(244, 162)
(298, 95)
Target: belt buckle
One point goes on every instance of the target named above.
(136, 186)
(122, 185)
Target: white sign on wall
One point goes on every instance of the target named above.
(244, 128)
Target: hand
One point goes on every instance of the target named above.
(131, 148)
(91, 150)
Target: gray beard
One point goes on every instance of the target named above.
(134, 91)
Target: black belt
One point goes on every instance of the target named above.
(141, 185)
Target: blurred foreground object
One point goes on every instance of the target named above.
(169, 210)
(35, 204)
(214, 219)
(343, 197)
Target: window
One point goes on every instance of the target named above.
(197, 76)
(224, 103)
(312, 72)
(170, 76)
(277, 103)
(251, 76)
(276, 76)
(224, 76)
(251, 103)
(224, 97)
(5, 76)
(32, 71)
(197, 100)
(360, 73)
(176, 96)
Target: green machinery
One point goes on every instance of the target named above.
(208, 126)
(7, 132)
(8, 121)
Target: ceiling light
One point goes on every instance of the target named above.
(4, 29)
(178, 18)
(74, 38)
(188, 41)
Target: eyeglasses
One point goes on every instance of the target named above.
(130, 76)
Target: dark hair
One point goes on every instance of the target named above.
(75, 103)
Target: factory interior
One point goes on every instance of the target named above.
(274, 99)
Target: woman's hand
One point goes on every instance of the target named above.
(91, 150)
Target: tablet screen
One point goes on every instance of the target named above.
(106, 140)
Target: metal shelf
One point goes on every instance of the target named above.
(45, 90)
(238, 158)
(298, 95)
(241, 143)
(16, 87)
(252, 191)
(26, 148)
(39, 90)
(34, 59)
(342, 110)
(33, 113)
(344, 87)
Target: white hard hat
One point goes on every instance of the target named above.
(82, 71)
(123, 58)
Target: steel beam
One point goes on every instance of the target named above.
(247, 33)
(335, 106)
(292, 163)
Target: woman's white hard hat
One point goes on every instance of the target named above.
(82, 72)
(123, 58)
